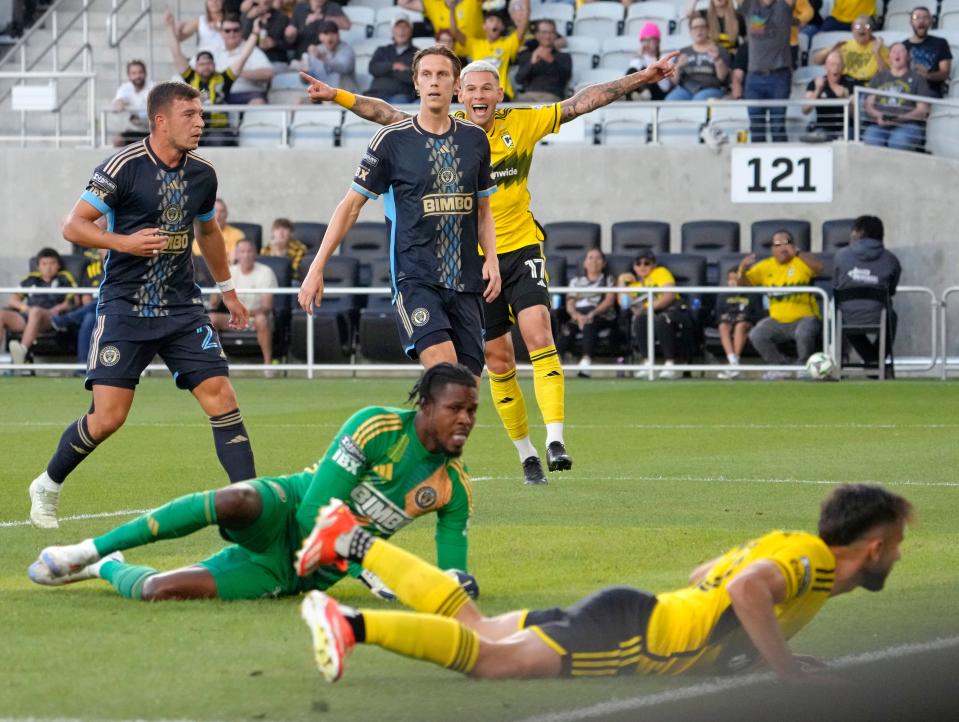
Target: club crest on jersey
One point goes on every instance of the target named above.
(507, 140)
(172, 215)
(425, 497)
(448, 176)
(420, 317)
(109, 355)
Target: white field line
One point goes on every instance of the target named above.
(725, 684)
(663, 477)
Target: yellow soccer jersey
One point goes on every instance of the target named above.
(659, 276)
(514, 136)
(499, 53)
(696, 627)
(469, 18)
(786, 307)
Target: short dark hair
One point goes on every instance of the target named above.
(136, 62)
(162, 96)
(283, 223)
(246, 240)
(544, 22)
(50, 253)
(437, 50)
(785, 233)
(204, 53)
(867, 227)
(920, 7)
(852, 510)
(647, 254)
(328, 26)
(435, 378)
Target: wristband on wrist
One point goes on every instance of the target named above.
(344, 98)
(227, 285)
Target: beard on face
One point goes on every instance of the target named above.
(874, 580)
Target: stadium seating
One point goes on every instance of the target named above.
(663, 14)
(599, 19)
(730, 119)
(374, 4)
(596, 75)
(712, 240)
(571, 239)
(379, 337)
(680, 124)
(367, 242)
(361, 15)
(948, 17)
(243, 342)
(262, 129)
(309, 232)
(625, 124)
(356, 131)
(882, 329)
(560, 13)
(634, 236)
(616, 53)
(384, 19)
(317, 128)
(584, 54)
(762, 234)
(942, 129)
(835, 234)
(898, 15)
(334, 321)
(253, 231)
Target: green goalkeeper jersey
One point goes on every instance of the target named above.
(377, 465)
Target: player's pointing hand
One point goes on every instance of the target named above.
(662, 68)
(317, 89)
(311, 290)
(145, 242)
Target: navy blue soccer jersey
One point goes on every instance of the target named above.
(135, 190)
(432, 183)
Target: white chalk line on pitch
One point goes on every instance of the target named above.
(80, 517)
(725, 684)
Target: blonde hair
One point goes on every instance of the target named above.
(730, 22)
(479, 66)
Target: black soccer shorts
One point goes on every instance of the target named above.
(122, 346)
(524, 285)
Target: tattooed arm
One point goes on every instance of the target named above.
(374, 109)
(596, 96)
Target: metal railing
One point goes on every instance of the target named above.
(87, 79)
(863, 121)
(117, 35)
(944, 328)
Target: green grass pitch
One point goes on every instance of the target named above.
(665, 476)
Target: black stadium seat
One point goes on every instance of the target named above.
(309, 233)
(835, 234)
(634, 236)
(762, 234)
(335, 320)
(379, 337)
(712, 240)
(367, 242)
(253, 231)
(571, 239)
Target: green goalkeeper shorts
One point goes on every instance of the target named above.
(260, 563)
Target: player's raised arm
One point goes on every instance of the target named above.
(596, 96)
(345, 215)
(81, 228)
(753, 593)
(210, 239)
(372, 109)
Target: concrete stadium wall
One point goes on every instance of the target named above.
(595, 183)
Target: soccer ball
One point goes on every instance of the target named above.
(819, 366)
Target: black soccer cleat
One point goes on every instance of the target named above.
(533, 471)
(556, 457)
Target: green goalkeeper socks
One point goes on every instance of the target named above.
(178, 518)
(127, 579)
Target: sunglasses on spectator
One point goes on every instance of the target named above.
(861, 26)
(781, 243)
(644, 262)
(230, 29)
(698, 26)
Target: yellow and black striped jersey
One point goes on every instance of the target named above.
(512, 140)
(696, 627)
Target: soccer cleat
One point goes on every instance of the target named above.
(18, 352)
(583, 368)
(41, 573)
(533, 471)
(728, 375)
(332, 635)
(318, 549)
(70, 559)
(557, 459)
(669, 375)
(43, 504)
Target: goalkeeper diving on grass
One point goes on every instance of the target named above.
(738, 609)
(391, 465)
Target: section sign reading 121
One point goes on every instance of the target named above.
(781, 174)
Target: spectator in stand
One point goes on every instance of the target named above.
(589, 311)
(30, 313)
(736, 313)
(929, 56)
(231, 234)
(792, 316)
(497, 47)
(444, 37)
(770, 65)
(896, 122)
(248, 274)
(833, 85)
(737, 78)
(307, 16)
(803, 12)
(392, 65)
(672, 322)
(277, 31)
(331, 60)
(863, 55)
(282, 243)
(206, 27)
(132, 97)
(845, 12)
(648, 54)
(252, 83)
(84, 317)
(543, 72)
(726, 26)
(468, 13)
(865, 263)
(214, 86)
(703, 67)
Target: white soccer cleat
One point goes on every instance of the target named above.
(70, 559)
(41, 573)
(332, 635)
(44, 500)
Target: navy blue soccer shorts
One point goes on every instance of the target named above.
(123, 346)
(428, 315)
